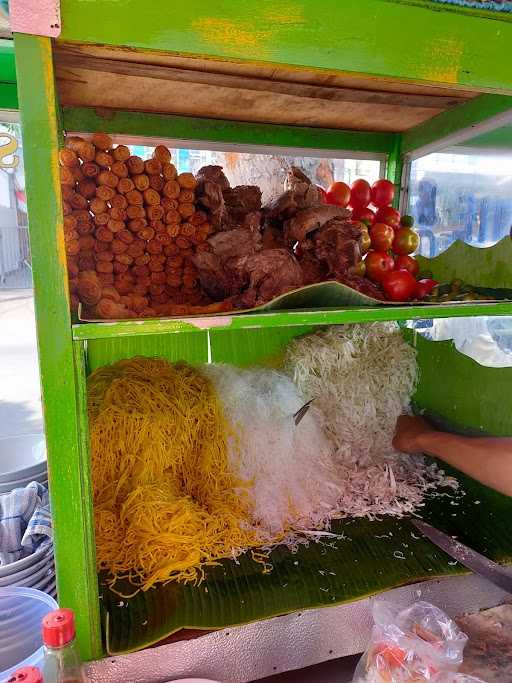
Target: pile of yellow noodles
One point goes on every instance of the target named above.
(165, 502)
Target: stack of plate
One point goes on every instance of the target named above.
(34, 571)
(22, 460)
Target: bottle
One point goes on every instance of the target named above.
(61, 659)
(29, 674)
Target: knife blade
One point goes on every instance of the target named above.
(470, 558)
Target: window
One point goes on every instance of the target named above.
(465, 196)
(268, 170)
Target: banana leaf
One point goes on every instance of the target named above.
(487, 270)
(370, 556)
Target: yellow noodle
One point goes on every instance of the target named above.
(165, 502)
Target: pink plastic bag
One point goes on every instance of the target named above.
(417, 644)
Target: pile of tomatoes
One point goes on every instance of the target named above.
(387, 241)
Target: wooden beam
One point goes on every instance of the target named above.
(213, 78)
(68, 459)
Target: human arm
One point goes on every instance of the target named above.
(487, 459)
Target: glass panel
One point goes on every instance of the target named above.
(268, 171)
(486, 340)
(461, 196)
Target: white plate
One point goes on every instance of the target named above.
(45, 584)
(36, 474)
(13, 579)
(21, 456)
(13, 567)
(31, 581)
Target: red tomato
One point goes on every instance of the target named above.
(399, 285)
(378, 263)
(323, 194)
(360, 193)
(365, 215)
(338, 193)
(404, 262)
(381, 236)
(383, 192)
(406, 241)
(388, 215)
(424, 287)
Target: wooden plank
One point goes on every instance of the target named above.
(229, 132)
(80, 87)
(70, 494)
(385, 39)
(305, 76)
(269, 86)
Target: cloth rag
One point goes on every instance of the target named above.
(25, 522)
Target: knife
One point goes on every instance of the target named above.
(479, 564)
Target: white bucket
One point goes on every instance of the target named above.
(21, 613)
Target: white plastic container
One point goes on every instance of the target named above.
(22, 611)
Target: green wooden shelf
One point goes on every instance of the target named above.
(330, 316)
(417, 42)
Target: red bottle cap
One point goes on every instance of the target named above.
(58, 627)
(29, 674)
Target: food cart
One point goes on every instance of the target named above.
(393, 79)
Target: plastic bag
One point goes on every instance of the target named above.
(410, 646)
(456, 678)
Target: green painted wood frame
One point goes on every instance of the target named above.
(249, 321)
(477, 111)
(437, 44)
(230, 132)
(295, 34)
(61, 365)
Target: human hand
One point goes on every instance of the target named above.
(408, 433)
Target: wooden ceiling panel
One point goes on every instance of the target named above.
(94, 76)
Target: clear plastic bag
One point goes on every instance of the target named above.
(457, 678)
(417, 644)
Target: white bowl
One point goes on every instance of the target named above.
(8, 486)
(19, 565)
(27, 650)
(21, 456)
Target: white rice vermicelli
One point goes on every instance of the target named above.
(361, 378)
